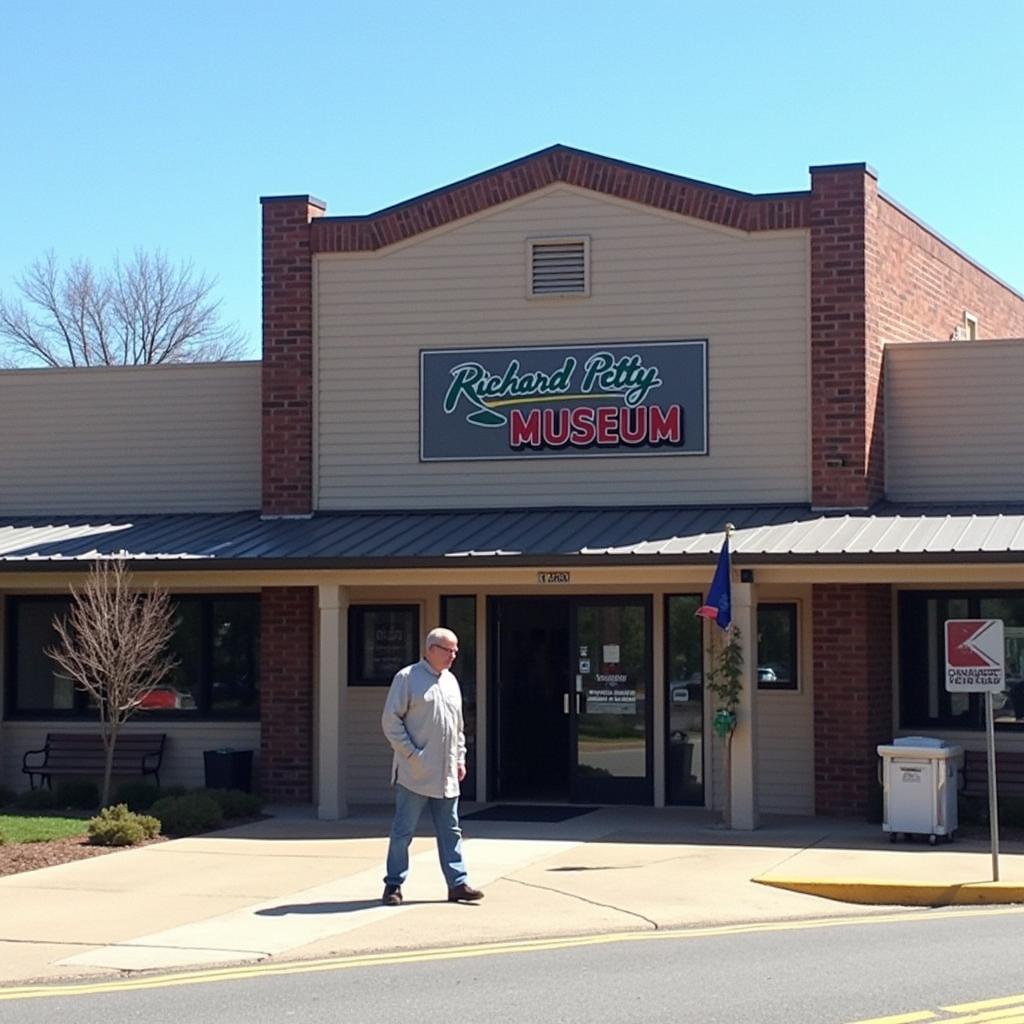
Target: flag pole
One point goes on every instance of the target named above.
(727, 773)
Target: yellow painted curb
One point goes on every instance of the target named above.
(907, 894)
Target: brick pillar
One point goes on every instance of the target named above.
(288, 354)
(846, 354)
(286, 694)
(852, 694)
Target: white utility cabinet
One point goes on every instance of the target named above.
(919, 786)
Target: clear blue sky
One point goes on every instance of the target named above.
(160, 124)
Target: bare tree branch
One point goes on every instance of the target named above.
(113, 644)
(142, 310)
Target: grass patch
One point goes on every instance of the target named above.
(34, 828)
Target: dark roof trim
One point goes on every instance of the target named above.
(310, 200)
(659, 189)
(492, 562)
(839, 168)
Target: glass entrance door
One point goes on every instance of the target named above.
(609, 701)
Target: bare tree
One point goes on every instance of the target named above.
(113, 644)
(142, 311)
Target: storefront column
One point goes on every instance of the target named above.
(482, 706)
(743, 780)
(332, 775)
(657, 697)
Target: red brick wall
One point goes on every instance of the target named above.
(286, 693)
(288, 355)
(925, 286)
(877, 275)
(852, 643)
(842, 200)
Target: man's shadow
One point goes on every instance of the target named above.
(346, 907)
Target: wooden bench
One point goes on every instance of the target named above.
(82, 753)
(1009, 773)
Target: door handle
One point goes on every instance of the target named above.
(565, 703)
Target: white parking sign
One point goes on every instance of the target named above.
(975, 656)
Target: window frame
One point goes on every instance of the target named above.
(672, 798)
(973, 598)
(81, 711)
(470, 693)
(356, 612)
(793, 609)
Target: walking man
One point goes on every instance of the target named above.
(422, 721)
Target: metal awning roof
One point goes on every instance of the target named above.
(779, 534)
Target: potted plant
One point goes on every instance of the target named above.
(725, 683)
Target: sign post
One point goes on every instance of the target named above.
(976, 663)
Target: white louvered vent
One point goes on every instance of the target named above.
(559, 266)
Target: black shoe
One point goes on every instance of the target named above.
(464, 894)
(392, 896)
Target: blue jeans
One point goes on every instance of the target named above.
(445, 812)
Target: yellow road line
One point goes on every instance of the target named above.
(900, 1018)
(986, 1004)
(1005, 1016)
(466, 952)
(1005, 1010)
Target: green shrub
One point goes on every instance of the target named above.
(138, 796)
(186, 815)
(82, 794)
(118, 826)
(234, 803)
(7, 796)
(36, 800)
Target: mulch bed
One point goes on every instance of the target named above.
(17, 857)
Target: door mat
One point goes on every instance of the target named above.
(517, 812)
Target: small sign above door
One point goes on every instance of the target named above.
(553, 577)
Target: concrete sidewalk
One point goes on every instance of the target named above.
(294, 887)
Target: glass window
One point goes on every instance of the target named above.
(182, 689)
(459, 615)
(215, 644)
(234, 655)
(923, 698)
(39, 684)
(776, 647)
(684, 701)
(382, 639)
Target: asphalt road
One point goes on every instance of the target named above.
(923, 963)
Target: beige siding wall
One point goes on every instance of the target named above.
(785, 725)
(785, 728)
(954, 421)
(130, 439)
(369, 755)
(653, 277)
(183, 753)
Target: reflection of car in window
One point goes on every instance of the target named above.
(766, 674)
(161, 698)
(682, 691)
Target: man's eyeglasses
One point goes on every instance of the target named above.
(449, 650)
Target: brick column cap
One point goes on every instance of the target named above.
(308, 200)
(843, 168)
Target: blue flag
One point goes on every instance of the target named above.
(718, 605)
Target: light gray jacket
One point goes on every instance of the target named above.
(422, 721)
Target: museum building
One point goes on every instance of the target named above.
(525, 406)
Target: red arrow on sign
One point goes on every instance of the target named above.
(965, 643)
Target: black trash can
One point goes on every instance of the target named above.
(228, 769)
